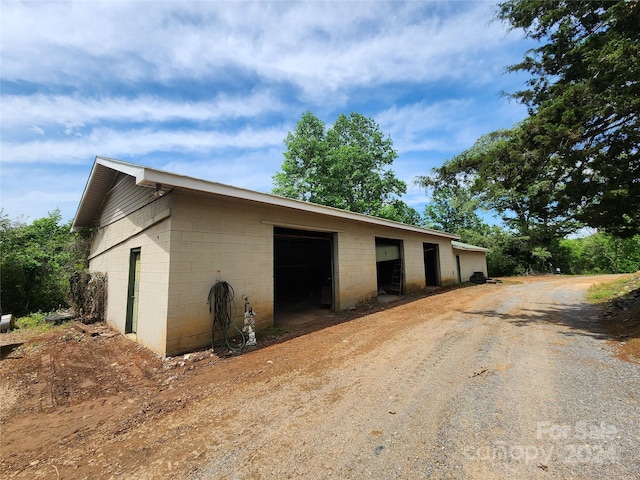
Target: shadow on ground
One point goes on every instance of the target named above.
(617, 320)
(297, 322)
(6, 350)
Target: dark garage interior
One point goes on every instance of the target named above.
(302, 270)
(431, 270)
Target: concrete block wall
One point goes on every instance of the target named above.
(214, 240)
(356, 266)
(413, 255)
(448, 266)
(189, 241)
(154, 276)
(471, 262)
(354, 252)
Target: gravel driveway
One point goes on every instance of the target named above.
(509, 381)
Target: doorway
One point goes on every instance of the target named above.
(431, 268)
(389, 266)
(133, 290)
(303, 272)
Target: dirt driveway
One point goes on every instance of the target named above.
(496, 381)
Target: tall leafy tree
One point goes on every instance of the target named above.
(305, 169)
(346, 166)
(36, 262)
(601, 253)
(509, 253)
(452, 207)
(522, 186)
(399, 211)
(584, 104)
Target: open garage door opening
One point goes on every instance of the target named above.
(431, 264)
(303, 272)
(389, 266)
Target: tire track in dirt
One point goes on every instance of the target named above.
(330, 404)
(355, 423)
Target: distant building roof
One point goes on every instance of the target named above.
(467, 247)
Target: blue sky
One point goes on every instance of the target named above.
(210, 89)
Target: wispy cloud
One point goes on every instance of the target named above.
(318, 47)
(22, 110)
(37, 130)
(110, 142)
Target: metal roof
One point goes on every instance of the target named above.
(467, 247)
(105, 171)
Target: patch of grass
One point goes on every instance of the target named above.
(271, 331)
(33, 321)
(604, 292)
(36, 323)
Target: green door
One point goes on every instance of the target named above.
(131, 325)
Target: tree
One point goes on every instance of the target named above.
(601, 253)
(346, 166)
(452, 207)
(36, 262)
(399, 211)
(509, 253)
(521, 186)
(305, 166)
(584, 104)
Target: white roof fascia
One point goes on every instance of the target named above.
(124, 167)
(467, 247)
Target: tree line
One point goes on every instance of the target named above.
(37, 260)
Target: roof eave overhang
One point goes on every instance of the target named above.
(465, 247)
(153, 178)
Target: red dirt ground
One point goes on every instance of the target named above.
(65, 391)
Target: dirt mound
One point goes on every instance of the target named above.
(620, 319)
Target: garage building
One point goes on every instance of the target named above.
(164, 239)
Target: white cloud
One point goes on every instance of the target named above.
(114, 143)
(71, 128)
(424, 126)
(115, 79)
(319, 47)
(78, 111)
